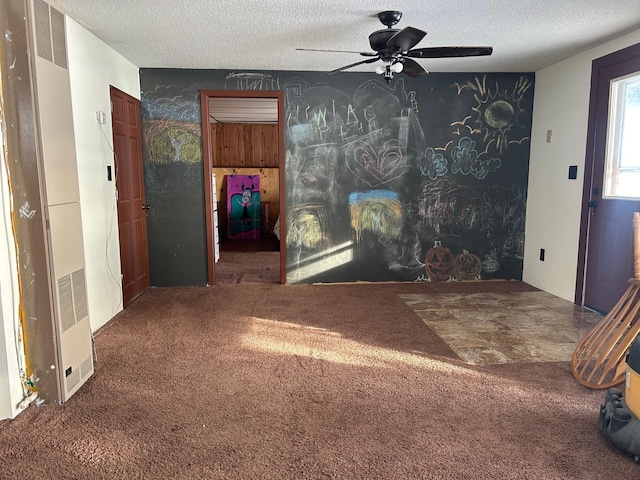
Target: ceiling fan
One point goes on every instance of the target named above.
(394, 48)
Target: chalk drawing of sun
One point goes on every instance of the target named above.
(498, 112)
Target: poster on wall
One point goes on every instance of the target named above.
(243, 206)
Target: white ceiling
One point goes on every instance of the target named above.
(527, 35)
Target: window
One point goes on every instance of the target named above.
(622, 164)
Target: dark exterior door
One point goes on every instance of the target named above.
(132, 209)
(608, 218)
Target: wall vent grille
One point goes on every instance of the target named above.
(58, 38)
(86, 367)
(72, 292)
(65, 292)
(72, 380)
(50, 33)
(43, 29)
(79, 294)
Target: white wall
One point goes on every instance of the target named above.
(554, 203)
(93, 67)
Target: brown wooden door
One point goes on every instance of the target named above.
(609, 246)
(132, 209)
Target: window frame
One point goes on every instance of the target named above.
(618, 94)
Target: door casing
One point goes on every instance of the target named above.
(205, 96)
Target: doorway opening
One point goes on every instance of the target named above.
(243, 138)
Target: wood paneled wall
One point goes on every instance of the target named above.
(247, 149)
(269, 196)
(244, 145)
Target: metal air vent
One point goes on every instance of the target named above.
(73, 299)
(58, 38)
(243, 110)
(50, 33)
(42, 29)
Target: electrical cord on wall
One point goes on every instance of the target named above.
(109, 220)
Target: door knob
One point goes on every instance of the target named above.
(146, 207)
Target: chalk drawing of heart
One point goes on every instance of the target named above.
(377, 168)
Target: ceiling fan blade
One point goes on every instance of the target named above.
(405, 39)
(448, 52)
(368, 60)
(412, 68)
(364, 54)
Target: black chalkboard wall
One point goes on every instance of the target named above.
(420, 179)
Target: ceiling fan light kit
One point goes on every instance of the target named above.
(394, 48)
(388, 69)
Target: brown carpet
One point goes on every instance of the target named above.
(248, 267)
(307, 382)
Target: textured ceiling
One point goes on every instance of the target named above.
(527, 35)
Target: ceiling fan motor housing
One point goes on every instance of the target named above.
(378, 39)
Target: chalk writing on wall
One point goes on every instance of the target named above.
(497, 110)
(375, 173)
(343, 149)
(172, 153)
(251, 81)
(171, 125)
(466, 160)
(432, 164)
